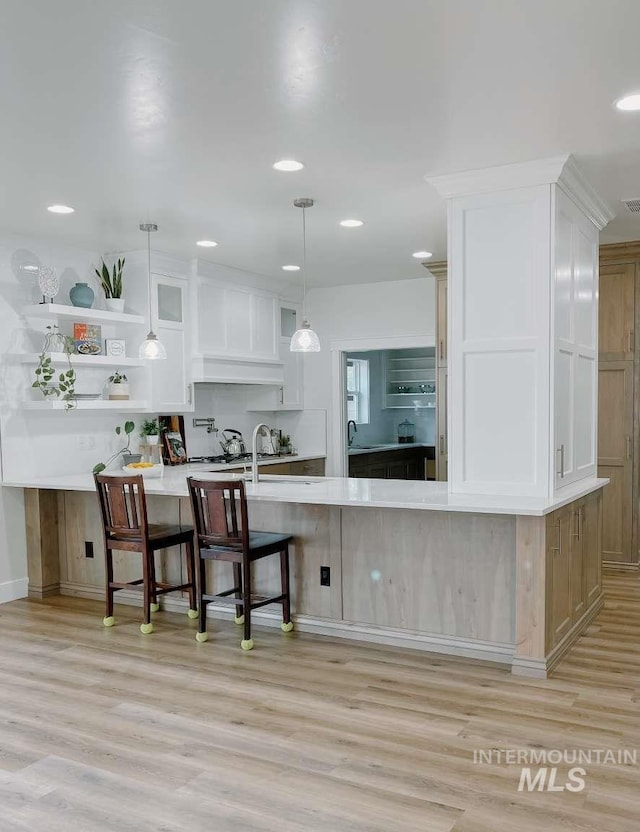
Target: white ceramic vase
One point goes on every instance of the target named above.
(151, 440)
(114, 304)
(118, 392)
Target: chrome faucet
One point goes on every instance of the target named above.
(355, 430)
(254, 450)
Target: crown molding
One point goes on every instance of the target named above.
(611, 253)
(576, 185)
(437, 269)
(560, 170)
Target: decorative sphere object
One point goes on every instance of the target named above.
(49, 283)
(82, 295)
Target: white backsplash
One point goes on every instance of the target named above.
(231, 406)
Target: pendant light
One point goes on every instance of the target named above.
(150, 348)
(304, 339)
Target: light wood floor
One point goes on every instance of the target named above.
(111, 730)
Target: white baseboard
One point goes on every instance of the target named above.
(429, 642)
(12, 590)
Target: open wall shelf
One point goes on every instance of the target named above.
(62, 311)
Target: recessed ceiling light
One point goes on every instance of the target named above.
(288, 165)
(60, 209)
(422, 255)
(31, 268)
(207, 243)
(629, 102)
(291, 268)
(351, 223)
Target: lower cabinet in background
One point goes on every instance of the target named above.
(398, 464)
(296, 468)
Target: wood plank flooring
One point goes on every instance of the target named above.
(107, 729)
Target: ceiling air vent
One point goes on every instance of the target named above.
(633, 205)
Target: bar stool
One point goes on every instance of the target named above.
(123, 507)
(220, 537)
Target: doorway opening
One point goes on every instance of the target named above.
(389, 409)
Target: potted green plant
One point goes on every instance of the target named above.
(150, 431)
(45, 374)
(118, 386)
(112, 285)
(127, 457)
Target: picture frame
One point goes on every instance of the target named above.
(115, 347)
(174, 446)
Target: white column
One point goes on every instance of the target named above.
(522, 327)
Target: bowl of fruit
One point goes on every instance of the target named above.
(147, 469)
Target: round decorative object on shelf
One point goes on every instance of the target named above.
(114, 304)
(82, 295)
(49, 283)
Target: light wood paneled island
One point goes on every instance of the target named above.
(513, 580)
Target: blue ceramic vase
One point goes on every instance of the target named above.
(82, 295)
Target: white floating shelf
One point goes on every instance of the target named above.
(79, 313)
(79, 360)
(88, 404)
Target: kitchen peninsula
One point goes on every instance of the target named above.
(507, 579)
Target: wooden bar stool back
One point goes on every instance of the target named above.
(223, 534)
(123, 506)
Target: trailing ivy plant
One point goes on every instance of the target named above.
(64, 386)
(111, 283)
(126, 429)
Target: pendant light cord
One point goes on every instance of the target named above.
(304, 264)
(149, 277)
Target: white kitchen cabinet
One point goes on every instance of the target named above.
(290, 393)
(171, 384)
(576, 343)
(237, 334)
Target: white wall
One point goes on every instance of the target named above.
(363, 311)
(29, 444)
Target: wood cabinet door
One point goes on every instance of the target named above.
(592, 542)
(616, 318)
(576, 560)
(615, 458)
(559, 606)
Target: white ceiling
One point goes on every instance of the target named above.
(134, 110)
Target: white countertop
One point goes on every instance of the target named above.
(339, 491)
(355, 449)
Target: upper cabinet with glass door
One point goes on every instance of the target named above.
(290, 393)
(171, 385)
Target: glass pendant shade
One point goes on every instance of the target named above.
(151, 348)
(304, 339)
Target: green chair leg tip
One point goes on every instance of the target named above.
(108, 621)
(201, 637)
(238, 619)
(145, 629)
(192, 613)
(247, 644)
(154, 607)
(286, 626)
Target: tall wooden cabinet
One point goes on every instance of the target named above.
(439, 271)
(618, 410)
